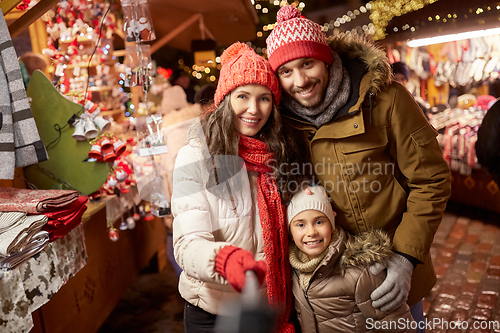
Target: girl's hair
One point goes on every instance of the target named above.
(281, 139)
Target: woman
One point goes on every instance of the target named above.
(228, 210)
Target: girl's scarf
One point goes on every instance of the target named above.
(306, 266)
(272, 218)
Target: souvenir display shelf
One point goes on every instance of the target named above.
(90, 296)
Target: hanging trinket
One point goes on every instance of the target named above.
(130, 222)
(113, 234)
(142, 211)
(136, 216)
(149, 216)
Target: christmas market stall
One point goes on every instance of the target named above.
(86, 159)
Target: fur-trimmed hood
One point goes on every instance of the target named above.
(366, 249)
(375, 60)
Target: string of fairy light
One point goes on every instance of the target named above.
(447, 17)
(328, 28)
(263, 8)
(380, 13)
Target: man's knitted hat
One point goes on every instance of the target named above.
(240, 66)
(311, 198)
(295, 37)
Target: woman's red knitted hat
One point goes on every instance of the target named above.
(240, 66)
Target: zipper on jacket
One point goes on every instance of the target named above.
(371, 96)
(305, 291)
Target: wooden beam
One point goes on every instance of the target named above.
(119, 53)
(13, 15)
(38, 36)
(7, 5)
(172, 34)
(119, 32)
(30, 16)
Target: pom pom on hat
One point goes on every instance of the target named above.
(240, 66)
(287, 13)
(311, 198)
(296, 37)
(234, 51)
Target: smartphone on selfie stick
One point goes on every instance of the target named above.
(250, 315)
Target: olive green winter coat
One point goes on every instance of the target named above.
(379, 160)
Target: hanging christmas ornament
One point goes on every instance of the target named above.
(113, 234)
(112, 181)
(123, 225)
(120, 175)
(149, 216)
(130, 222)
(142, 211)
(136, 216)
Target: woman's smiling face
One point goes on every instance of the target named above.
(252, 105)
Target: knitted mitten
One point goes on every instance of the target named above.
(232, 262)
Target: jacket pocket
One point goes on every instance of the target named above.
(424, 135)
(428, 150)
(372, 139)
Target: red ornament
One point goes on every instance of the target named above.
(113, 234)
(120, 175)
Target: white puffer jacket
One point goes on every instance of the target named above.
(206, 220)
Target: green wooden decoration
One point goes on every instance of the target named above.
(66, 157)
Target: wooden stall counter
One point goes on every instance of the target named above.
(477, 189)
(84, 303)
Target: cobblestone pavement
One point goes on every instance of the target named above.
(466, 256)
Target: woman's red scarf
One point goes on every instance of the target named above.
(272, 218)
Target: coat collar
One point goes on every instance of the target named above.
(350, 47)
(366, 249)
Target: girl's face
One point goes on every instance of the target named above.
(252, 105)
(311, 231)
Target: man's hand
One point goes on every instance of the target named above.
(394, 290)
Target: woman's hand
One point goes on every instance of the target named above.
(232, 262)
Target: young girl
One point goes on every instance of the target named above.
(331, 280)
(228, 211)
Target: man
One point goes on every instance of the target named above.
(370, 145)
(401, 72)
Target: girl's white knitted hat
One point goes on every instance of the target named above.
(311, 198)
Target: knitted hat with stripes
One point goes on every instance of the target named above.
(296, 37)
(240, 66)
